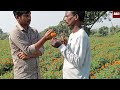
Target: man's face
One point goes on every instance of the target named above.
(69, 18)
(24, 19)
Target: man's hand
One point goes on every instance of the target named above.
(64, 38)
(56, 43)
(47, 34)
(65, 41)
(23, 56)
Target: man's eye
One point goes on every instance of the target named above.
(27, 15)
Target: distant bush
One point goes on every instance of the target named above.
(3, 36)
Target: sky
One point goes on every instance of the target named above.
(39, 19)
(43, 19)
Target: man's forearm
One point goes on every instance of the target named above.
(36, 54)
(46, 37)
(40, 43)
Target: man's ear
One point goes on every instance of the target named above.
(76, 17)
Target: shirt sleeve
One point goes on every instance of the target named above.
(76, 58)
(19, 40)
(41, 50)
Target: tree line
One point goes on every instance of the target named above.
(104, 31)
(91, 17)
(3, 35)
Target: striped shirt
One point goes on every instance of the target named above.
(24, 40)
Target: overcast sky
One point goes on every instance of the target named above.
(40, 19)
(43, 19)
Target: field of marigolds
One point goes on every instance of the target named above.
(105, 59)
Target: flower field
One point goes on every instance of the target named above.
(105, 59)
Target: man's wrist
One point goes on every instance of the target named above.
(62, 47)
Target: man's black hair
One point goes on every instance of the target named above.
(81, 14)
(19, 13)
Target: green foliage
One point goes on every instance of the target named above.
(7, 75)
(53, 75)
(5, 68)
(103, 31)
(111, 72)
(95, 65)
(105, 59)
(1, 32)
(3, 35)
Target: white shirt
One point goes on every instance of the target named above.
(77, 56)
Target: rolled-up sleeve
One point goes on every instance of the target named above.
(20, 41)
(31, 49)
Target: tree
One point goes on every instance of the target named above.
(1, 32)
(93, 17)
(103, 31)
(3, 35)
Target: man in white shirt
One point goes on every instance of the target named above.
(77, 52)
